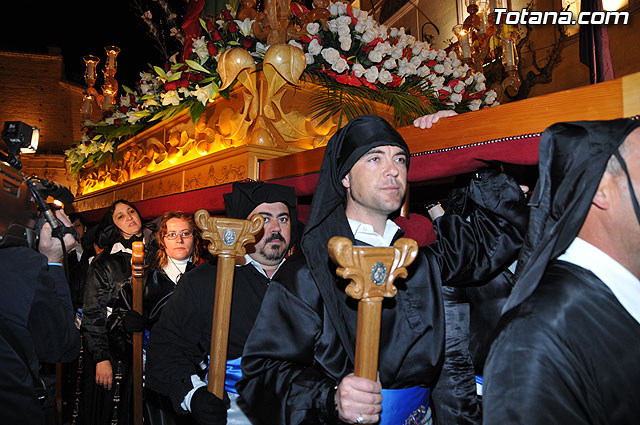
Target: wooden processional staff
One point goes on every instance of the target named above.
(228, 236)
(372, 271)
(137, 273)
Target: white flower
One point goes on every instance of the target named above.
(371, 74)
(456, 63)
(200, 49)
(385, 77)
(333, 25)
(479, 77)
(475, 104)
(344, 21)
(344, 31)
(345, 43)
(396, 52)
(452, 55)
(296, 44)
(490, 96)
(375, 56)
(125, 101)
(424, 71)
(439, 68)
(170, 98)
(440, 55)
(314, 47)
(340, 66)
(132, 118)
(313, 28)
(203, 94)
(480, 86)
(369, 35)
(459, 87)
(390, 64)
(309, 58)
(331, 55)
(245, 26)
(469, 80)
(110, 120)
(456, 97)
(358, 70)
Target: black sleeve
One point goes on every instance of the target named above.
(280, 381)
(472, 250)
(94, 310)
(51, 318)
(178, 340)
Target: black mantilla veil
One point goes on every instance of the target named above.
(572, 159)
(327, 217)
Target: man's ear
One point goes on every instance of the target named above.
(602, 197)
(345, 182)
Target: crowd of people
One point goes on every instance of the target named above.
(523, 309)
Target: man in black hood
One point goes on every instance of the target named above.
(182, 337)
(568, 343)
(299, 358)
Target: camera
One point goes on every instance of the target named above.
(22, 199)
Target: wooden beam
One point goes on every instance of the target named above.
(609, 100)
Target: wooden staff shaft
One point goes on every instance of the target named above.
(137, 282)
(368, 339)
(220, 324)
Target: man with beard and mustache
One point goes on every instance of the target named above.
(182, 337)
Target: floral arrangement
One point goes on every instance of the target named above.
(350, 54)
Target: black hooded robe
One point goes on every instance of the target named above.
(571, 357)
(301, 345)
(567, 350)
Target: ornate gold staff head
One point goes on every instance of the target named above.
(228, 236)
(372, 270)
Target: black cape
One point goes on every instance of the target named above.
(181, 339)
(571, 357)
(304, 338)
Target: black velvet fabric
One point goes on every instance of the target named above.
(303, 341)
(572, 159)
(566, 355)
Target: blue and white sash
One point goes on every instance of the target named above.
(407, 406)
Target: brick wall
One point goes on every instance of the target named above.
(32, 90)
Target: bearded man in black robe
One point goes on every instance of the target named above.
(298, 361)
(567, 351)
(180, 341)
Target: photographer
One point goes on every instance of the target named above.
(36, 325)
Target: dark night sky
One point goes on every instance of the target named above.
(80, 28)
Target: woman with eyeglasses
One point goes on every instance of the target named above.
(107, 350)
(179, 245)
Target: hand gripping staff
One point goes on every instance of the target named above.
(137, 272)
(227, 237)
(372, 271)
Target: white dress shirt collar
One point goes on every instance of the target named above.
(258, 266)
(624, 285)
(364, 232)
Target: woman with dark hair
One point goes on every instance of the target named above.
(106, 349)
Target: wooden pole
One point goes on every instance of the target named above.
(372, 271)
(228, 237)
(137, 272)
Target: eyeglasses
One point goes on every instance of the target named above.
(173, 235)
